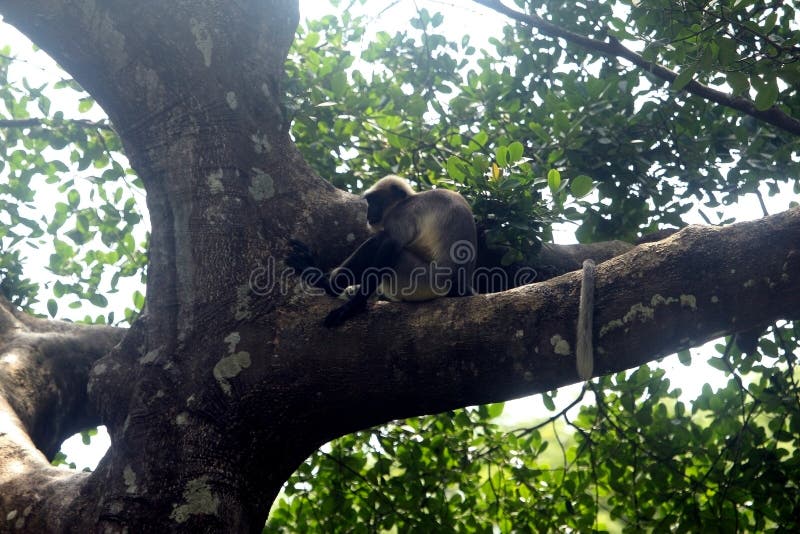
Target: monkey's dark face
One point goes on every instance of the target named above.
(381, 201)
(375, 209)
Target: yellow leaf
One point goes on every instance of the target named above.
(495, 171)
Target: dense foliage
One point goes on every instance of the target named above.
(534, 131)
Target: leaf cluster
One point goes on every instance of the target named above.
(67, 194)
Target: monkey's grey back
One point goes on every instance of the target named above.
(437, 229)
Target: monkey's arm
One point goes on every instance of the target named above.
(386, 252)
(350, 272)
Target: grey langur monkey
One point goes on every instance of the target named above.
(424, 247)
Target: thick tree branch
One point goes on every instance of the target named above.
(613, 47)
(44, 370)
(400, 360)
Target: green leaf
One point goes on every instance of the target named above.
(683, 78)
(581, 185)
(719, 364)
(495, 409)
(515, 151)
(554, 180)
(98, 300)
(52, 307)
(501, 155)
(767, 95)
(455, 168)
(738, 81)
(85, 104)
(138, 300)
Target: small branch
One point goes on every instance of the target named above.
(32, 123)
(613, 47)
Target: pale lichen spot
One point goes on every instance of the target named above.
(733, 271)
(129, 478)
(714, 299)
(638, 312)
(262, 186)
(350, 237)
(230, 367)
(749, 284)
(689, 301)
(150, 357)
(232, 340)
(265, 90)
(214, 215)
(230, 97)
(519, 334)
(202, 39)
(659, 300)
(11, 515)
(198, 500)
(560, 345)
(261, 144)
(242, 307)
(784, 277)
(611, 325)
(214, 181)
(182, 419)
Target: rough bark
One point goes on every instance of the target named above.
(227, 382)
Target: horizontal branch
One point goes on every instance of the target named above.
(400, 360)
(613, 47)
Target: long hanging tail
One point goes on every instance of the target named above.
(583, 350)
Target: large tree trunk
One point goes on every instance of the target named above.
(228, 382)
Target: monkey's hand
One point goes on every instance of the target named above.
(347, 310)
(302, 260)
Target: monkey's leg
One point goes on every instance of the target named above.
(350, 272)
(388, 252)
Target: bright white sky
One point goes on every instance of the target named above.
(460, 18)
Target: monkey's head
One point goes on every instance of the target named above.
(383, 196)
